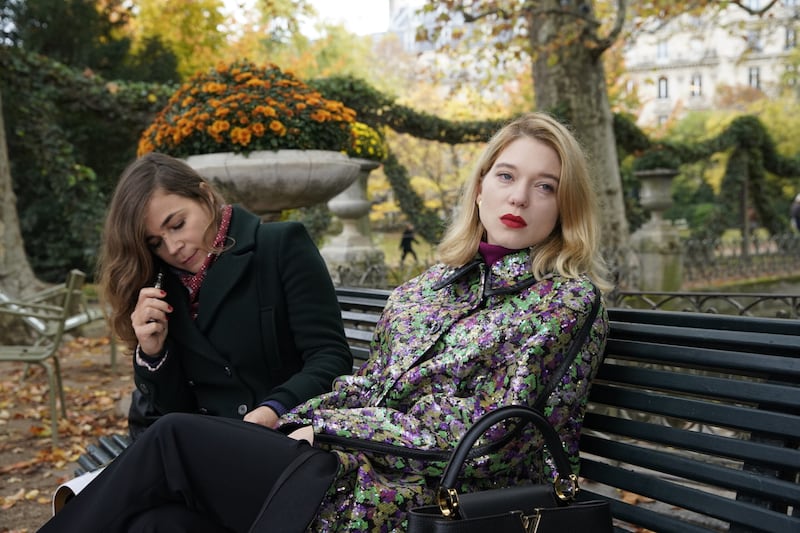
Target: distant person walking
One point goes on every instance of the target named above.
(405, 244)
(794, 213)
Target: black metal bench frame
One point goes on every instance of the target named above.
(696, 417)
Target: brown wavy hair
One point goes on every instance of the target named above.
(126, 263)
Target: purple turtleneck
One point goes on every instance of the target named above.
(493, 252)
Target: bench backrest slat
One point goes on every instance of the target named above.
(719, 386)
(697, 441)
(764, 364)
(739, 341)
(704, 321)
(702, 411)
(686, 467)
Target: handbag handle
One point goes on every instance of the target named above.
(566, 488)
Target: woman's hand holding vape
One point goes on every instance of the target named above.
(150, 318)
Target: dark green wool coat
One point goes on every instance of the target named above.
(268, 327)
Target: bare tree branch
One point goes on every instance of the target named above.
(619, 23)
(758, 12)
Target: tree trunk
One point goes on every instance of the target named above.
(16, 275)
(569, 78)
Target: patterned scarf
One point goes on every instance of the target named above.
(192, 282)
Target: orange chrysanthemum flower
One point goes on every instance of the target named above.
(242, 107)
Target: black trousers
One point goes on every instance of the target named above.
(203, 474)
(407, 251)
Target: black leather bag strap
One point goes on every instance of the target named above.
(527, 414)
(574, 347)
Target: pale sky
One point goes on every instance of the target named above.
(361, 17)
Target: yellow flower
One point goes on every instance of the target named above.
(365, 142)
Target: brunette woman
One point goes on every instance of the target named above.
(225, 316)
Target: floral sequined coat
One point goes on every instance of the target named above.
(451, 345)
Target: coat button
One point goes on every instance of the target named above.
(242, 410)
(144, 388)
(228, 371)
(203, 411)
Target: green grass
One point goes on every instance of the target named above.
(389, 242)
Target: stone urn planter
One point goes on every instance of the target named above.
(267, 182)
(351, 256)
(657, 242)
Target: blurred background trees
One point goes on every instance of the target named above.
(81, 79)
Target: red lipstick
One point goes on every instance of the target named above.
(513, 221)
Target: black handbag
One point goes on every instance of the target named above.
(540, 508)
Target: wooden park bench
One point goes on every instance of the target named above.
(693, 422)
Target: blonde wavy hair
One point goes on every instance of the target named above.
(572, 248)
(126, 263)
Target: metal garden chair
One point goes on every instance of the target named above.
(44, 316)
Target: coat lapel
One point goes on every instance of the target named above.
(223, 275)
(229, 267)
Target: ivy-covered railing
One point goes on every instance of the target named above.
(709, 261)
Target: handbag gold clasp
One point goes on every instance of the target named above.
(530, 523)
(448, 502)
(566, 488)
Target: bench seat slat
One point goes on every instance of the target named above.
(690, 498)
(87, 463)
(647, 518)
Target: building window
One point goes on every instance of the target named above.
(663, 88)
(696, 85)
(754, 77)
(661, 50)
(662, 119)
(790, 76)
(791, 38)
(754, 41)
